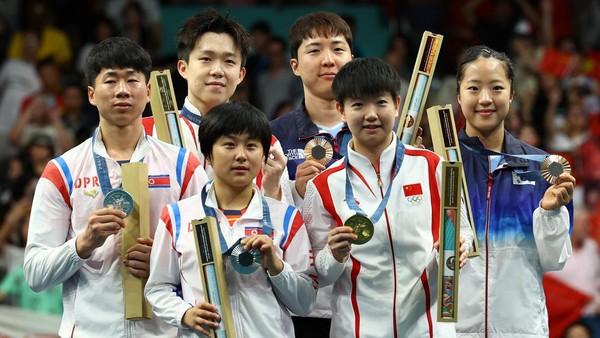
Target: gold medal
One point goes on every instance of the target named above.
(362, 227)
(319, 149)
(553, 166)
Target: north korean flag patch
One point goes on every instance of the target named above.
(159, 181)
(413, 193)
(253, 230)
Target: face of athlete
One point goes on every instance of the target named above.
(120, 95)
(484, 96)
(319, 60)
(236, 160)
(213, 71)
(370, 119)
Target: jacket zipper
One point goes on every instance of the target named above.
(487, 248)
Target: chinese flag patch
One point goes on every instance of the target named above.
(413, 189)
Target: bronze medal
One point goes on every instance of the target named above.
(362, 227)
(553, 166)
(319, 149)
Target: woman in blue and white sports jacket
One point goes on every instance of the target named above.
(522, 225)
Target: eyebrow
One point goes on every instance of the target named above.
(212, 52)
(113, 72)
(336, 41)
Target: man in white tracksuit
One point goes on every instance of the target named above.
(73, 238)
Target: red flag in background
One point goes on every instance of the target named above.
(564, 304)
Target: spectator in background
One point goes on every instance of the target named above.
(54, 42)
(18, 79)
(13, 287)
(258, 61)
(78, 116)
(578, 330)
(41, 112)
(132, 26)
(150, 15)
(400, 55)
(104, 28)
(278, 83)
(17, 172)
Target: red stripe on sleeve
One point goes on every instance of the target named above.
(320, 182)
(432, 162)
(166, 218)
(192, 164)
(297, 223)
(53, 174)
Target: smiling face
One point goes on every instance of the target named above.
(236, 160)
(484, 96)
(213, 71)
(120, 96)
(370, 120)
(319, 60)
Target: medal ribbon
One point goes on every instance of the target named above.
(102, 168)
(196, 119)
(350, 194)
(526, 175)
(265, 222)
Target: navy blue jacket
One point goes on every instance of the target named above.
(295, 129)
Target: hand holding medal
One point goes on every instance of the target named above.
(319, 150)
(254, 251)
(340, 241)
(556, 170)
(119, 199)
(553, 166)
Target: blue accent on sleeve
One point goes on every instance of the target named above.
(177, 219)
(180, 158)
(63, 165)
(286, 223)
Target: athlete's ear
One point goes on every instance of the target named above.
(182, 68)
(340, 109)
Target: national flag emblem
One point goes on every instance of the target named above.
(253, 230)
(413, 193)
(159, 181)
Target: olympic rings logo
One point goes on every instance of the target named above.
(416, 199)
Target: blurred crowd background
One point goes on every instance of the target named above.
(554, 45)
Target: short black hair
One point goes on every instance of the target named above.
(117, 53)
(363, 77)
(210, 20)
(233, 118)
(324, 24)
